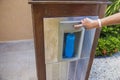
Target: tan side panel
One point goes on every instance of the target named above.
(63, 73)
(49, 71)
(51, 39)
(57, 71)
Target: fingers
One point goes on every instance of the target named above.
(78, 26)
(87, 23)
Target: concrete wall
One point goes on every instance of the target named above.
(15, 20)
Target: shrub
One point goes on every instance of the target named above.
(109, 41)
(108, 46)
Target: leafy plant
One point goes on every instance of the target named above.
(109, 42)
(113, 8)
(108, 46)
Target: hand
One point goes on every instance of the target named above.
(87, 23)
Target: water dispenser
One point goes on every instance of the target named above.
(70, 40)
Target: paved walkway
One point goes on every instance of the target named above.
(17, 62)
(106, 68)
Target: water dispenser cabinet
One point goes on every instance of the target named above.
(70, 41)
(62, 41)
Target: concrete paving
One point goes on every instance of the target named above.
(17, 62)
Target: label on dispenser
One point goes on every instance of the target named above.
(69, 45)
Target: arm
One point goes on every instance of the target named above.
(110, 20)
(113, 19)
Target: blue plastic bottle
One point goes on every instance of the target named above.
(69, 45)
